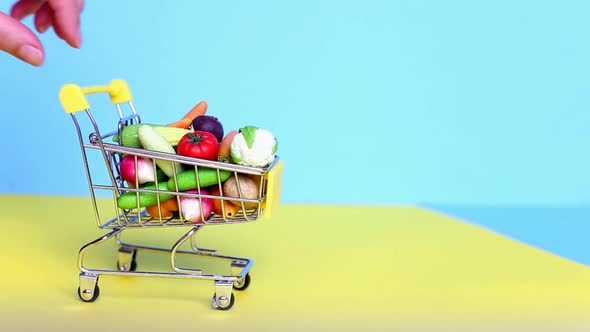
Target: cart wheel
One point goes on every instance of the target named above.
(243, 283)
(83, 295)
(223, 303)
(126, 260)
(133, 266)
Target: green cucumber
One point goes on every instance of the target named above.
(207, 177)
(129, 199)
(161, 176)
(130, 138)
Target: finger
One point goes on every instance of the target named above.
(66, 21)
(24, 8)
(18, 40)
(43, 18)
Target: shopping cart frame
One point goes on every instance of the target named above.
(74, 102)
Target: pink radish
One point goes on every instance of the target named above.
(145, 169)
(191, 206)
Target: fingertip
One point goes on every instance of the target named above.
(24, 8)
(41, 28)
(19, 41)
(16, 12)
(30, 54)
(43, 19)
(75, 42)
(66, 21)
(76, 38)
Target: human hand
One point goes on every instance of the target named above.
(21, 42)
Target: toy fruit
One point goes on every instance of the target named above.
(199, 144)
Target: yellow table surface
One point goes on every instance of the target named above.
(315, 268)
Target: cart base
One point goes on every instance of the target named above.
(223, 297)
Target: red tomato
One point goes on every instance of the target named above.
(198, 144)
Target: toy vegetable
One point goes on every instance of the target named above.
(253, 146)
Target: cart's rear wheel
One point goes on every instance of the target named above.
(243, 283)
(133, 266)
(83, 295)
(223, 303)
(126, 260)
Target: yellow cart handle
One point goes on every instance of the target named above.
(73, 97)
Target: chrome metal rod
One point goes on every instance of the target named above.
(179, 272)
(89, 245)
(175, 249)
(189, 161)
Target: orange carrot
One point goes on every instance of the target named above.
(155, 213)
(187, 119)
(230, 208)
(224, 147)
(170, 204)
(167, 209)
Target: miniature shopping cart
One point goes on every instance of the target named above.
(110, 152)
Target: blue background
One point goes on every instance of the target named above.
(436, 103)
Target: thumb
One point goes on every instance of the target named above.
(20, 41)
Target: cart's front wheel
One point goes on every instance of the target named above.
(242, 283)
(222, 302)
(88, 296)
(88, 290)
